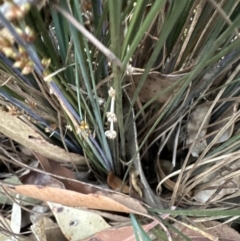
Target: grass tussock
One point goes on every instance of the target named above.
(139, 96)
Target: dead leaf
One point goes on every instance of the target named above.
(98, 200)
(68, 181)
(77, 223)
(195, 121)
(38, 229)
(40, 179)
(12, 127)
(57, 169)
(120, 234)
(217, 127)
(115, 183)
(49, 229)
(53, 167)
(53, 232)
(154, 83)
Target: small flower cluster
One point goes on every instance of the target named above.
(111, 116)
(14, 11)
(82, 129)
(19, 53)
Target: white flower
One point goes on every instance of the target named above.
(111, 117)
(129, 69)
(68, 127)
(111, 134)
(112, 93)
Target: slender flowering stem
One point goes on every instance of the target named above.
(111, 116)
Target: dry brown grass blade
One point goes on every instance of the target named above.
(206, 161)
(33, 99)
(207, 231)
(198, 8)
(220, 183)
(215, 176)
(204, 33)
(230, 122)
(89, 36)
(223, 119)
(195, 233)
(169, 184)
(180, 184)
(221, 11)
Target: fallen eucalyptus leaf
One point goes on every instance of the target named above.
(12, 127)
(77, 223)
(38, 229)
(120, 233)
(37, 178)
(98, 200)
(53, 232)
(154, 83)
(46, 229)
(68, 179)
(115, 183)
